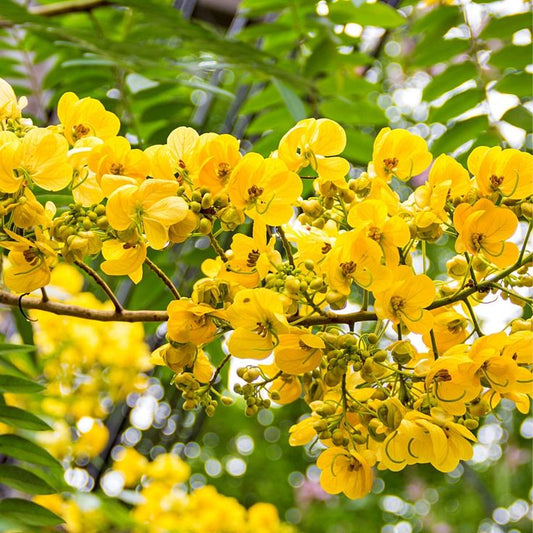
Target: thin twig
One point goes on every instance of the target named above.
(105, 287)
(286, 245)
(166, 280)
(218, 249)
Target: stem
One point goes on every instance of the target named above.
(218, 249)
(166, 280)
(434, 343)
(473, 316)
(528, 233)
(105, 287)
(286, 245)
(44, 295)
(218, 370)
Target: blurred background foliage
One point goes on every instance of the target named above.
(457, 74)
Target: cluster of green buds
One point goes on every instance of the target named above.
(332, 205)
(297, 285)
(195, 394)
(251, 392)
(81, 230)
(208, 208)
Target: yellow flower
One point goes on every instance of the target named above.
(371, 219)
(483, 229)
(115, 156)
(312, 143)
(263, 518)
(265, 189)
(30, 261)
(152, 207)
(285, 388)
(131, 464)
(9, 107)
(169, 469)
(399, 153)
(123, 259)
(447, 179)
(40, 158)
(449, 328)
(191, 322)
(353, 258)
(508, 172)
(258, 317)
(85, 188)
(221, 155)
(85, 117)
(345, 471)
(405, 299)
(453, 381)
(92, 440)
(181, 357)
(298, 351)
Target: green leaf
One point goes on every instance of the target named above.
(13, 416)
(25, 450)
(519, 116)
(504, 27)
(458, 134)
(19, 385)
(358, 146)
(452, 77)
(428, 52)
(28, 513)
(516, 57)
(20, 479)
(518, 83)
(437, 22)
(292, 101)
(456, 105)
(377, 14)
(355, 112)
(261, 99)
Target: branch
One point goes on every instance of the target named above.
(62, 8)
(102, 315)
(166, 280)
(105, 287)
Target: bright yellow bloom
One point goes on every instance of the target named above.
(168, 468)
(447, 179)
(9, 107)
(30, 261)
(191, 322)
(221, 155)
(483, 229)
(264, 189)
(115, 156)
(371, 219)
(181, 357)
(508, 172)
(92, 441)
(298, 351)
(353, 258)
(313, 143)
(85, 117)
(123, 259)
(258, 317)
(452, 380)
(345, 471)
(283, 389)
(40, 158)
(405, 299)
(85, 188)
(399, 153)
(449, 328)
(152, 207)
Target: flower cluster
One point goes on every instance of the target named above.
(301, 274)
(164, 504)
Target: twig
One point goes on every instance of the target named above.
(286, 245)
(105, 287)
(218, 249)
(473, 316)
(166, 280)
